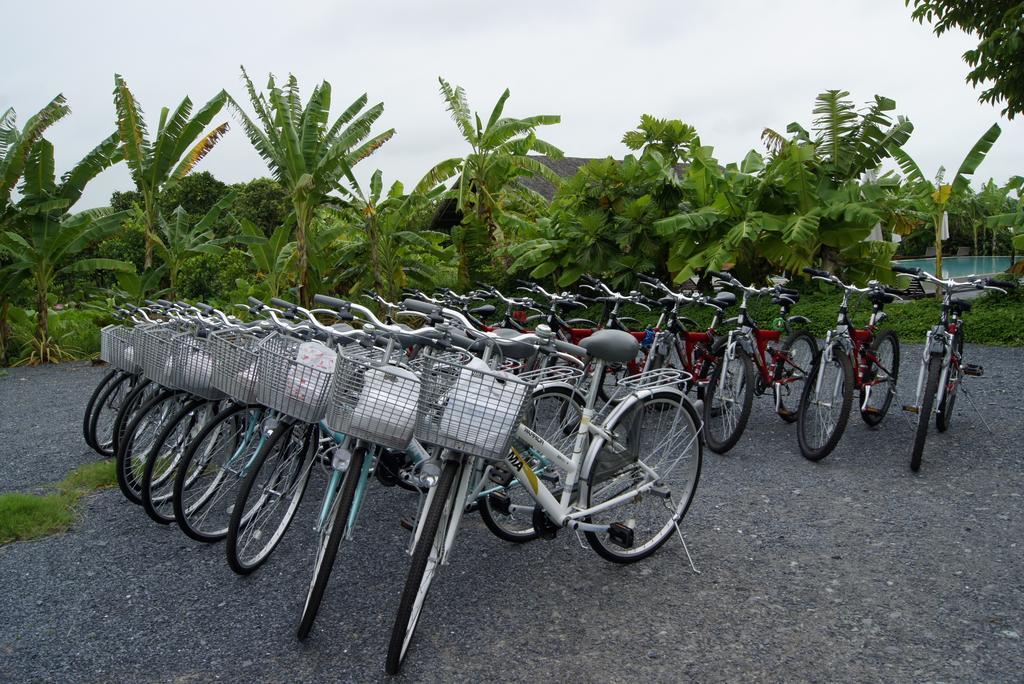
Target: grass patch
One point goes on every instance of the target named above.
(30, 516)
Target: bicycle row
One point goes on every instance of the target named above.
(217, 424)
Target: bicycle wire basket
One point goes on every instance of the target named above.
(235, 354)
(373, 398)
(295, 377)
(192, 366)
(157, 360)
(118, 349)
(468, 407)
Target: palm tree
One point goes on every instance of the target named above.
(15, 147)
(44, 238)
(305, 155)
(272, 255)
(386, 239)
(935, 197)
(498, 156)
(179, 145)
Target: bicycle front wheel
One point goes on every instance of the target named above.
(103, 419)
(728, 400)
(104, 385)
(139, 438)
(270, 496)
(825, 405)
(332, 532)
(426, 559)
(212, 470)
(651, 468)
(924, 411)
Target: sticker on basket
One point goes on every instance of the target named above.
(305, 385)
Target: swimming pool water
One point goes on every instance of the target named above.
(959, 267)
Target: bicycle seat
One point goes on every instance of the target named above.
(787, 299)
(510, 349)
(613, 346)
(482, 310)
(723, 300)
(960, 305)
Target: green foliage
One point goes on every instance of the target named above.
(306, 157)
(263, 202)
(487, 194)
(157, 164)
(210, 276)
(996, 61)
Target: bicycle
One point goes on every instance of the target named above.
(866, 359)
(600, 473)
(942, 361)
(752, 361)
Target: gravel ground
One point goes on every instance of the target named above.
(851, 569)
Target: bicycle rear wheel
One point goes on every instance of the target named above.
(662, 446)
(728, 400)
(944, 413)
(212, 470)
(883, 374)
(924, 411)
(426, 559)
(270, 496)
(332, 532)
(799, 351)
(825, 405)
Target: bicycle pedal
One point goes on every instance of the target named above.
(407, 524)
(911, 409)
(621, 534)
(500, 477)
(786, 413)
(500, 502)
(973, 370)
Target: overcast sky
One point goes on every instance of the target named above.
(729, 67)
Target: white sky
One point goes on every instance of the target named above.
(730, 68)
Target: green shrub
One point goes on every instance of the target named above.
(209, 276)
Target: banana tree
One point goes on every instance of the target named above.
(44, 239)
(935, 197)
(272, 256)
(1012, 220)
(306, 156)
(15, 147)
(178, 146)
(385, 249)
(178, 239)
(486, 193)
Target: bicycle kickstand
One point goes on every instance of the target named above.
(978, 410)
(686, 549)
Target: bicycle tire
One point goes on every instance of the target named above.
(327, 550)
(924, 414)
(518, 534)
(816, 453)
(151, 417)
(103, 437)
(944, 414)
(191, 518)
(789, 414)
(101, 387)
(610, 551)
(746, 402)
(408, 608)
(142, 392)
(154, 480)
(241, 516)
(873, 418)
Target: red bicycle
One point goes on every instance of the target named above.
(752, 362)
